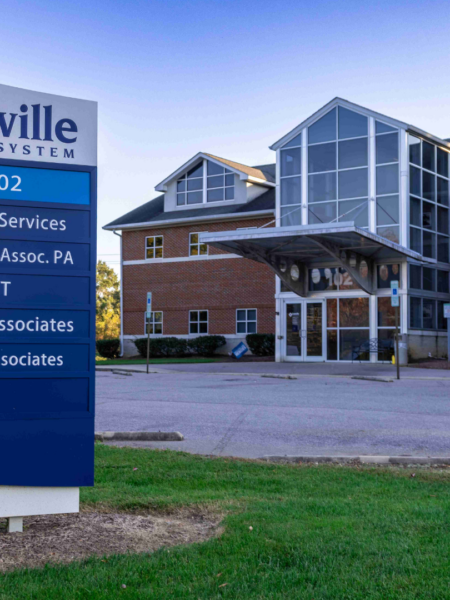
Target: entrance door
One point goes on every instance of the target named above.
(303, 325)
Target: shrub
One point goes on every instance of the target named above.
(261, 344)
(206, 345)
(168, 347)
(108, 348)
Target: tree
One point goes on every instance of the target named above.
(108, 302)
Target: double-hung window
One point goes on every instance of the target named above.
(195, 247)
(246, 320)
(154, 325)
(154, 246)
(198, 321)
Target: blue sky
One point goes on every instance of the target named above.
(227, 77)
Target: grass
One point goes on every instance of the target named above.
(152, 361)
(319, 532)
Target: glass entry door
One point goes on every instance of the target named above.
(303, 335)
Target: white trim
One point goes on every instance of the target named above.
(147, 237)
(151, 261)
(174, 222)
(247, 321)
(198, 323)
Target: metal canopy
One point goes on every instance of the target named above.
(290, 251)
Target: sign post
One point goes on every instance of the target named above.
(395, 302)
(148, 317)
(447, 316)
(48, 219)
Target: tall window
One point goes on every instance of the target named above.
(291, 182)
(347, 326)
(338, 183)
(154, 325)
(154, 246)
(246, 320)
(198, 321)
(387, 181)
(386, 326)
(429, 199)
(217, 180)
(195, 247)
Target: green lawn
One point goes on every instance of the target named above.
(153, 361)
(319, 532)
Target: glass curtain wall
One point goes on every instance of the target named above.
(291, 182)
(347, 327)
(387, 181)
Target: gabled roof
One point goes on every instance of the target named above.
(153, 213)
(246, 173)
(361, 109)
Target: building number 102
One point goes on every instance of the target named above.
(11, 185)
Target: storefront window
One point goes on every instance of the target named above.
(347, 327)
(386, 274)
(354, 312)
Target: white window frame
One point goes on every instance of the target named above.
(148, 237)
(204, 190)
(247, 320)
(153, 322)
(198, 321)
(197, 244)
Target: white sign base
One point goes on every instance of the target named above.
(18, 501)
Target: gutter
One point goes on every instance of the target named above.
(121, 294)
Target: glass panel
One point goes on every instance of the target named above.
(181, 199)
(442, 162)
(387, 148)
(323, 130)
(428, 156)
(332, 312)
(150, 242)
(428, 319)
(414, 181)
(322, 279)
(290, 216)
(415, 313)
(194, 250)
(214, 169)
(353, 184)
(388, 210)
(442, 242)
(290, 162)
(195, 197)
(442, 282)
(322, 187)
(354, 312)
(415, 277)
(158, 328)
(194, 238)
(429, 191)
(251, 316)
(196, 171)
(391, 233)
(157, 317)
(387, 179)
(229, 179)
(181, 185)
(415, 239)
(241, 315)
(203, 249)
(322, 213)
(332, 350)
(322, 158)
(193, 328)
(428, 281)
(415, 211)
(251, 327)
(414, 150)
(203, 315)
(351, 124)
(297, 141)
(386, 274)
(429, 243)
(229, 193)
(314, 328)
(193, 315)
(215, 195)
(353, 153)
(293, 327)
(195, 184)
(203, 327)
(387, 338)
(158, 241)
(150, 253)
(428, 216)
(355, 210)
(158, 253)
(214, 182)
(241, 327)
(442, 220)
(382, 127)
(345, 281)
(442, 191)
(441, 321)
(349, 339)
(386, 313)
(291, 191)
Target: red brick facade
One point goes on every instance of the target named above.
(218, 285)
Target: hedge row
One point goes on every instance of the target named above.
(108, 348)
(172, 347)
(261, 344)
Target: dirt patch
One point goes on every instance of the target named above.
(65, 538)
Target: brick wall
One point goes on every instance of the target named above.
(219, 286)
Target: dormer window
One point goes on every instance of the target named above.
(206, 176)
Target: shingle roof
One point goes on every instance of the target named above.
(153, 211)
(252, 171)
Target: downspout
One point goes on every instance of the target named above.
(121, 295)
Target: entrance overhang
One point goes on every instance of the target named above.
(290, 251)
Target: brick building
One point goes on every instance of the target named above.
(197, 289)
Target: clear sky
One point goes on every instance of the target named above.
(228, 77)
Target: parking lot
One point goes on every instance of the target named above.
(259, 414)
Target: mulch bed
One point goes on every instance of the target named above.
(431, 364)
(66, 538)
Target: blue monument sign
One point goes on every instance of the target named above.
(48, 213)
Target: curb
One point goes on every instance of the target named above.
(376, 460)
(139, 436)
(373, 378)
